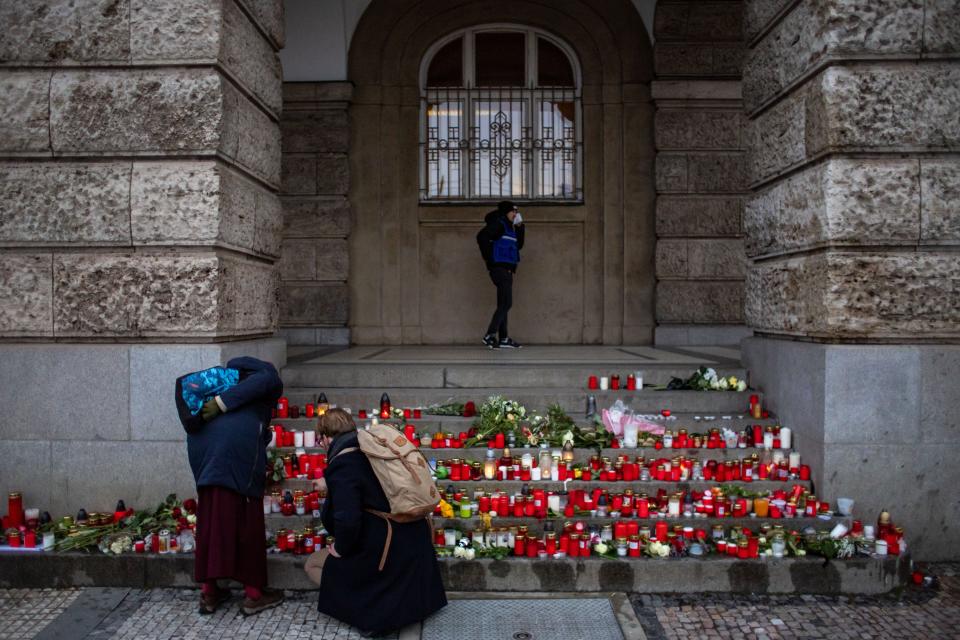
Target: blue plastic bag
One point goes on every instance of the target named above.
(200, 386)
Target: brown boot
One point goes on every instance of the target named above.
(209, 602)
(270, 599)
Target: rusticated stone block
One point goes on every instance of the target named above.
(700, 302)
(891, 107)
(839, 201)
(333, 259)
(207, 31)
(713, 259)
(698, 21)
(698, 215)
(203, 203)
(26, 295)
(269, 15)
(327, 304)
(757, 14)
(686, 129)
(247, 54)
(251, 138)
(136, 110)
(319, 131)
(24, 111)
(333, 175)
(814, 31)
(57, 203)
(165, 30)
(941, 28)
(136, 295)
(249, 297)
(857, 295)
(775, 140)
(671, 172)
(940, 209)
(313, 217)
(55, 31)
(298, 260)
(717, 172)
(298, 175)
(698, 59)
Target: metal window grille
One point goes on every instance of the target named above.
(497, 143)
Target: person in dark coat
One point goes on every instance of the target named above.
(500, 241)
(352, 587)
(228, 456)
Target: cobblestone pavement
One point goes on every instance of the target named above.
(170, 614)
(24, 612)
(915, 613)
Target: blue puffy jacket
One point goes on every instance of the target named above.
(231, 450)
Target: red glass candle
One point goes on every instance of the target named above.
(519, 545)
(631, 382)
(592, 383)
(532, 547)
(362, 414)
(564, 543)
(14, 509)
(417, 414)
(407, 414)
(30, 539)
(633, 528)
(551, 544)
(620, 529)
(660, 531)
(804, 472)
(499, 441)
(283, 408)
(614, 382)
(643, 508)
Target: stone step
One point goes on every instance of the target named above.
(810, 575)
(580, 455)
(276, 521)
(331, 376)
(515, 486)
(573, 401)
(692, 422)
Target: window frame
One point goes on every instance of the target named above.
(530, 93)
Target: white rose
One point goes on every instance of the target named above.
(458, 552)
(470, 553)
(600, 548)
(768, 552)
(801, 552)
(568, 437)
(724, 385)
(711, 374)
(714, 385)
(510, 417)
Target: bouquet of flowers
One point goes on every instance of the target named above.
(706, 379)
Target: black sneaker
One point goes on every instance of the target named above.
(509, 343)
(491, 341)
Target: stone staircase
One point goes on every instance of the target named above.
(537, 378)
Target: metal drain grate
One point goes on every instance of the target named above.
(524, 619)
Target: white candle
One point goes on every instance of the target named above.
(535, 474)
(785, 437)
(526, 460)
(298, 438)
(267, 505)
(630, 435)
(310, 438)
(49, 541)
(768, 440)
(449, 537)
(639, 377)
(553, 502)
(604, 383)
(794, 459)
(777, 457)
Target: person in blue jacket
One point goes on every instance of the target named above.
(227, 451)
(500, 241)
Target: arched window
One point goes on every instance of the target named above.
(500, 117)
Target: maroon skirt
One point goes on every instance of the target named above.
(231, 538)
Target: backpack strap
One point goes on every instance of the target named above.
(339, 453)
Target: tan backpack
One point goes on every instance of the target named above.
(403, 473)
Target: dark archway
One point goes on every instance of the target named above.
(415, 274)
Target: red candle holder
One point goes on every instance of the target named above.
(593, 382)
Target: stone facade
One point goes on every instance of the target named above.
(701, 173)
(139, 170)
(851, 233)
(314, 297)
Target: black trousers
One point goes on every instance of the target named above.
(503, 279)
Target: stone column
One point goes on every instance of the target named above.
(700, 176)
(139, 230)
(314, 298)
(852, 229)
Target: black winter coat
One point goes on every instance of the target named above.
(231, 450)
(493, 231)
(351, 588)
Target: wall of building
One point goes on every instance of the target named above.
(139, 230)
(852, 234)
(701, 177)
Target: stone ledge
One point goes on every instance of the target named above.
(759, 14)
(646, 575)
(697, 59)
